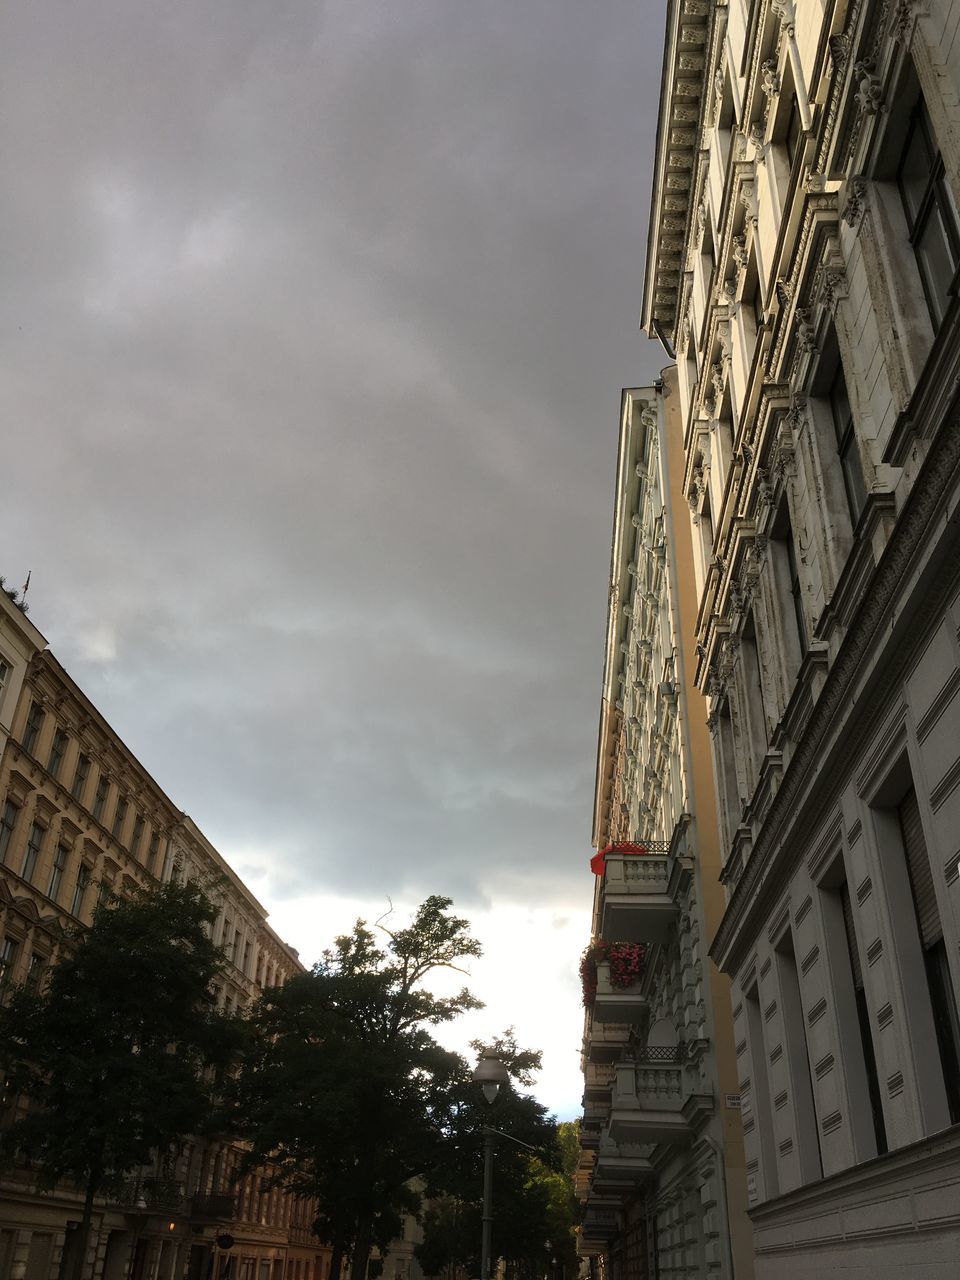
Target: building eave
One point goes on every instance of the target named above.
(683, 95)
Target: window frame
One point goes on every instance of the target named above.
(936, 202)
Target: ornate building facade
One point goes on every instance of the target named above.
(80, 817)
(662, 1170)
(803, 255)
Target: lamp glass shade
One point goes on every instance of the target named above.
(490, 1074)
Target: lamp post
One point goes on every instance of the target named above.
(490, 1074)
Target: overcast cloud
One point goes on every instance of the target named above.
(315, 320)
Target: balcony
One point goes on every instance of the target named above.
(640, 894)
(598, 1080)
(618, 1004)
(221, 1207)
(600, 1221)
(620, 1166)
(655, 1101)
(605, 1041)
(595, 1115)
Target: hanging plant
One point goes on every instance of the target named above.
(627, 961)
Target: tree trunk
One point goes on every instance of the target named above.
(361, 1248)
(336, 1260)
(83, 1231)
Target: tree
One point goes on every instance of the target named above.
(533, 1192)
(121, 1053)
(344, 1094)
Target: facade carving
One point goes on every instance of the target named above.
(825, 638)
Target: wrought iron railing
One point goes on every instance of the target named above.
(655, 1054)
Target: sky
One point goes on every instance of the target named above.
(315, 319)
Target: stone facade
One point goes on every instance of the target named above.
(79, 816)
(802, 262)
(662, 1173)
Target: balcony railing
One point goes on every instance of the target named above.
(605, 1041)
(639, 897)
(600, 1223)
(617, 1004)
(620, 1166)
(656, 1099)
(598, 1080)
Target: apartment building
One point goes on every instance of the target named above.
(80, 817)
(802, 263)
(662, 1173)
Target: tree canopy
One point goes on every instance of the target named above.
(114, 1053)
(344, 1093)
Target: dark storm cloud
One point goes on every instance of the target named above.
(315, 318)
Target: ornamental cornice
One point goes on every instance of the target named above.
(683, 101)
(772, 858)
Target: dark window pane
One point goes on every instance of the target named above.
(937, 261)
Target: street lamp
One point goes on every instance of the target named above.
(490, 1074)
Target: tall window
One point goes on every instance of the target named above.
(32, 851)
(137, 835)
(847, 450)
(4, 674)
(119, 816)
(934, 951)
(863, 1019)
(35, 969)
(80, 776)
(100, 799)
(932, 222)
(8, 820)
(153, 851)
(33, 726)
(57, 751)
(80, 889)
(56, 875)
(8, 956)
(798, 1061)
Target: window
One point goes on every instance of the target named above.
(4, 674)
(932, 223)
(137, 835)
(8, 821)
(793, 134)
(847, 450)
(119, 817)
(56, 875)
(756, 711)
(756, 304)
(934, 952)
(863, 1019)
(798, 1061)
(8, 958)
(795, 593)
(31, 732)
(80, 776)
(100, 799)
(32, 852)
(153, 851)
(35, 969)
(57, 751)
(246, 957)
(80, 889)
